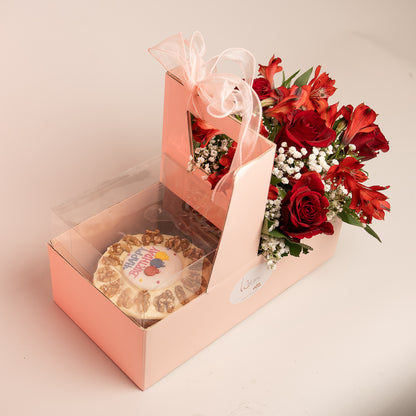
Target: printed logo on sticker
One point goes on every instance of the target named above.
(152, 267)
(251, 282)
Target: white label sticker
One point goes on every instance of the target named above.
(251, 282)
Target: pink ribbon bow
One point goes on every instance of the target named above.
(224, 93)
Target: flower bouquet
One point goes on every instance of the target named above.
(318, 172)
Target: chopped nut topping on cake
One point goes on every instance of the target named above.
(181, 295)
(185, 243)
(153, 237)
(105, 274)
(111, 260)
(165, 302)
(143, 301)
(193, 253)
(132, 240)
(177, 243)
(194, 282)
(125, 299)
(111, 289)
(115, 249)
(125, 246)
(158, 239)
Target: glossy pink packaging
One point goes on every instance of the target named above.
(240, 282)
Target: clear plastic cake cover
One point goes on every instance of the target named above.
(138, 243)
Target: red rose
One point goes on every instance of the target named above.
(306, 129)
(304, 208)
(262, 88)
(368, 144)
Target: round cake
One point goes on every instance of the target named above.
(149, 276)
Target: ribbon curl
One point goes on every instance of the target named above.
(223, 93)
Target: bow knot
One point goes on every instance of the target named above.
(224, 94)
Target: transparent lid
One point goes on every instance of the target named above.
(138, 243)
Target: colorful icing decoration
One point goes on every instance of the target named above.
(161, 255)
(152, 267)
(157, 263)
(151, 271)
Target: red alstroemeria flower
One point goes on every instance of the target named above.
(366, 201)
(270, 70)
(362, 132)
(360, 120)
(348, 173)
(202, 132)
(330, 114)
(288, 100)
(319, 89)
(369, 203)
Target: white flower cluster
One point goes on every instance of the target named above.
(318, 159)
(288, 163)
(207, 158)
(273, 249)
(272, 212)
(336, 198)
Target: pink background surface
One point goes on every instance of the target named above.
(78, 87)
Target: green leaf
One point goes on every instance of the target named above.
(274, 181)
(372, 232)
(295, 248)
(286, 82)
(268, 122)
(265, 228)
(274, 132)
(304, 78)
(277, 234)
(350, 217)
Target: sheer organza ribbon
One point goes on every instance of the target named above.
(224, 94)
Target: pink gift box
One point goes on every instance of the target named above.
(240, 282)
